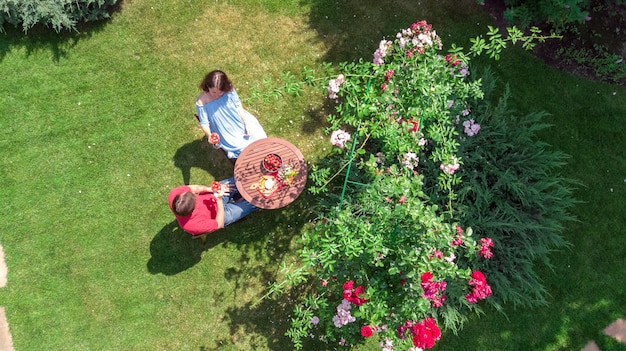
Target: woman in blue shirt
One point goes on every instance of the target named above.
(220, 111)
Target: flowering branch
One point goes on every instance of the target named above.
(496, 42)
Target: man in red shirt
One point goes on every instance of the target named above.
(199, 210)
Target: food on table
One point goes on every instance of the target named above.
(272, 162)
(269, 183)
(286, 173)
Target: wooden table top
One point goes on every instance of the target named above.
(249, 171)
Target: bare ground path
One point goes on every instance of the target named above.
(6, 344)
(617, 330)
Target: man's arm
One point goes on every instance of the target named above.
(199, 189)
(220, 212)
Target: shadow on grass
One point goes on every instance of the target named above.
(269, 237)
(352, 29)
(270, 318)
(172, 250)
(200, 154)
(44, 38)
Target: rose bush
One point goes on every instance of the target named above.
(391, 258)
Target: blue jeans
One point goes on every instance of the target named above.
(234, 211)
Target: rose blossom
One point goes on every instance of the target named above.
(315, 320)
(381, 52)
(481, 289)
(343, 315)
(485, 250)
(425, 333)
(386, 345)
(410, 160)
(464, 71)
(432, 290)
(339, 138)
(451, 167)
(333, 86)
(366, 331)
(352, 295)
(471, 127)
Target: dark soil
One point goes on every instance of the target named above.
(604, 34)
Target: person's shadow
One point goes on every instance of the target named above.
(172, 250)
(200, 154)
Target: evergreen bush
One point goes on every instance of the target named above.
(58, 14)
(558, 13)
(514, 194)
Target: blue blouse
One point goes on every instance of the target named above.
(222, 117)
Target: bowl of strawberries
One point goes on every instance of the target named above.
(271, 163)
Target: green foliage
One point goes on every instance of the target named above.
(558, 13)
(513, 193)
(151, 282)
(389, 233)
(58, 14)
(605, 66)
(495, 43)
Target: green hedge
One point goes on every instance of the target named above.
(57, 14)
(516, 195)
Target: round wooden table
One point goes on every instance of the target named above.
(249, 173)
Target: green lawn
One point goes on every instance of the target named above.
(98, 126)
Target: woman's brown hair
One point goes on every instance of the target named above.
(216, 79)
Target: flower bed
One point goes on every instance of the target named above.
(395, 258)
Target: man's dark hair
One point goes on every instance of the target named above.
(184, 203)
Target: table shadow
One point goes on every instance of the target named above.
(199, 154)
(172, 250)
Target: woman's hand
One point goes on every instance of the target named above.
(214, 138)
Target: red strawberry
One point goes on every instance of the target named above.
(214, 139)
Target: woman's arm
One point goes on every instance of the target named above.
(242, 115)
(203, 118)
(207, 131)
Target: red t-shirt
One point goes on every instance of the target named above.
(202, 219)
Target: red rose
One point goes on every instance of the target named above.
(426, 276)
(348, 285)
(425, 333)
(366, 331)
(478, 275)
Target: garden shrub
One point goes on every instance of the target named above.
(513, 193)
(558, 13)
(58, 14)
(406, 248)
(394, 255)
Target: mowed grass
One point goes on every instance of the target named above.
(98, 126)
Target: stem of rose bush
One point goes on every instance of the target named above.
(347, 163)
